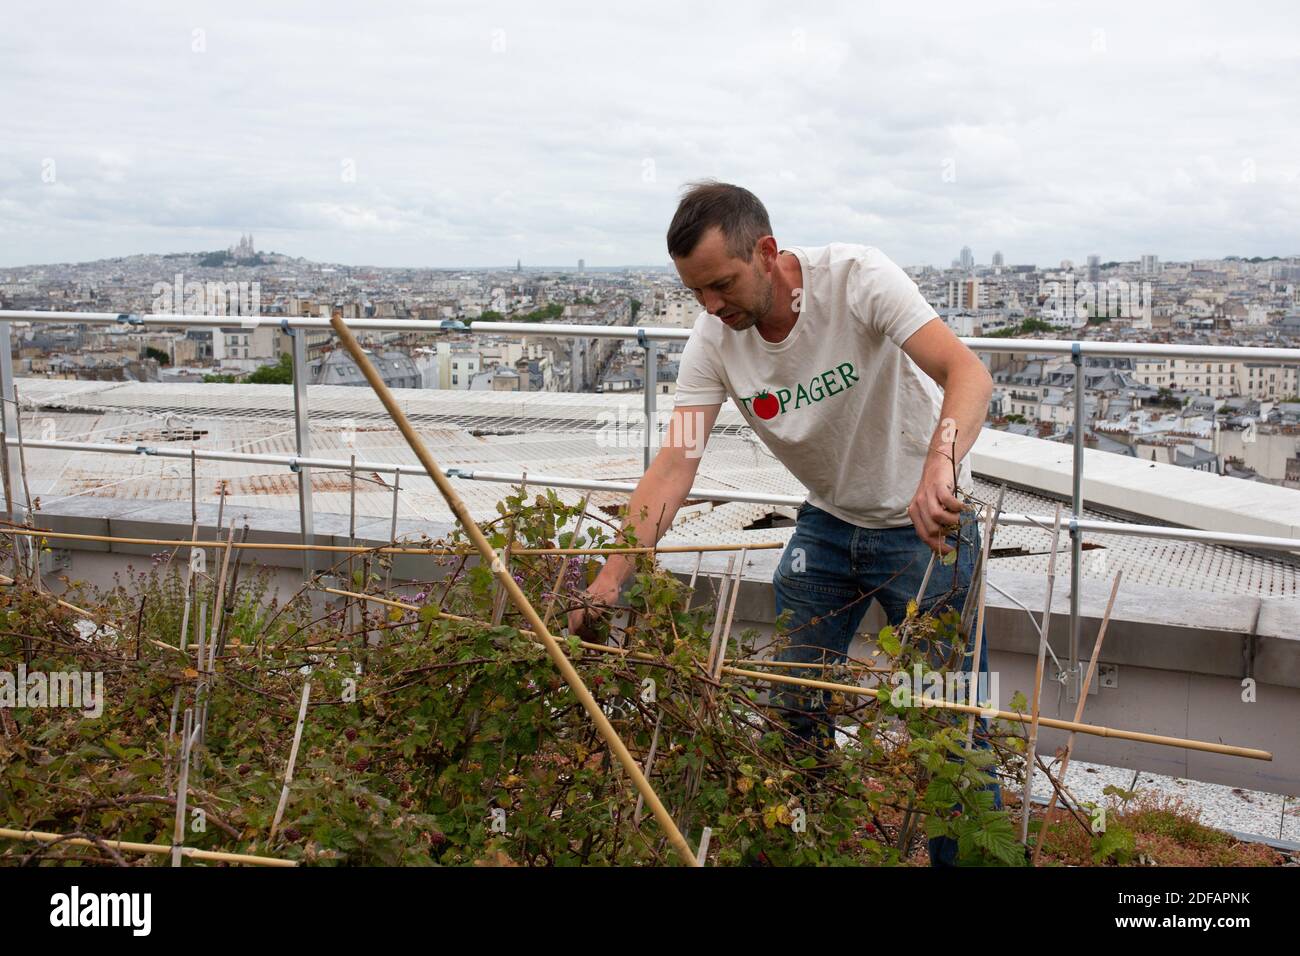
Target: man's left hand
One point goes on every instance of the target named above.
(935, 506)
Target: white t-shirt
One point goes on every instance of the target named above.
(838, 401)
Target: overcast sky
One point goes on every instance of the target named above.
(438, 134)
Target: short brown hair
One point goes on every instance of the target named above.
(708, 203)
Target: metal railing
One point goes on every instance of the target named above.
(647, 338)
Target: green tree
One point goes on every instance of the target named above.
(158, 354)
(279, 374)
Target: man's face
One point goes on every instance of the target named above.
(737, 292)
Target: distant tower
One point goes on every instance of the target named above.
(1094, 268)
(967, 258)
(582, 266)
(998, 261)
(519, 265)
(1150, 264)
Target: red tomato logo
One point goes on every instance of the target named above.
(765, 404)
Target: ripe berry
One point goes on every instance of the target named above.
(437, 837)
(350, 733)
(292, 834)
(361, 765)
(243, 769)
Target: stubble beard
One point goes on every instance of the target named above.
(760, 310)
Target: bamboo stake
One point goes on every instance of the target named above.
(719, 611)
(38, 836)
(218, 603)
(704, 845)
(979, 617)
(359, 549)
(731, 610)
(499, 597)
(189, 734)
(1094, 730)
(1044, 628)
(352, 537)
(564, 563)
(9, 496)
(392, 533)
(811, 665)
(925, 580)
(4, 468)
(293, 758)
(231, 590)
(7, 581)
(221, 507)
(694, 574)
(1078, 713)
(1074, 726)
(488, 553)
(189, 584)
(200, 681)
(649, 767)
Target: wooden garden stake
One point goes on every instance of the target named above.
(731, 609)
(979, 618)
(649, 766)
(189, 735)
(293, 758)
(723, 590)
(392, 531)
(488, 553)
(564, 562)
(1044, 629)
(1078, 714)
(158, 849)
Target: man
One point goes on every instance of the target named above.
(845, 372)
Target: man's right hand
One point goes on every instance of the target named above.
(596, 600)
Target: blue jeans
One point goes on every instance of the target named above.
(827, 577)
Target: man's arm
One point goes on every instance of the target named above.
(967, 386)
(658, 495)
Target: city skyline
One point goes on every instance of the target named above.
(1078, 262)
(472, 138)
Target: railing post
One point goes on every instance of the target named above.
(651, 383)
(1076, 537)
(302, 438)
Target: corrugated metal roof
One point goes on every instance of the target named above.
(258, 419)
